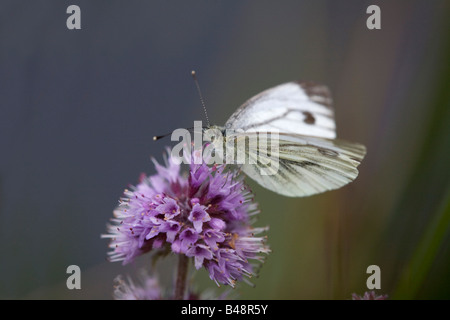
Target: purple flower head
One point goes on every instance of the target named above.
(370, 295)
(148, 288)
(205, 215)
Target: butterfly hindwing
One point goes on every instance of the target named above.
(304, 165)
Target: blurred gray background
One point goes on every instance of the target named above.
(79, 108)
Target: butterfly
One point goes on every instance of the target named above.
(310, 159)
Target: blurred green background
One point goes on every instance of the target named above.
(78, 109)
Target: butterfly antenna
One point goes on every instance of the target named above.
(155, 138)
(200, 94)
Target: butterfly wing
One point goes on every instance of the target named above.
(302, 166)
(309, 160)
(303, 108)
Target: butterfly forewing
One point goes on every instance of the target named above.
(303, 108)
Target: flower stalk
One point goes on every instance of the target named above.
(180, 285)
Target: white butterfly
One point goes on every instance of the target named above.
(310, 158)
